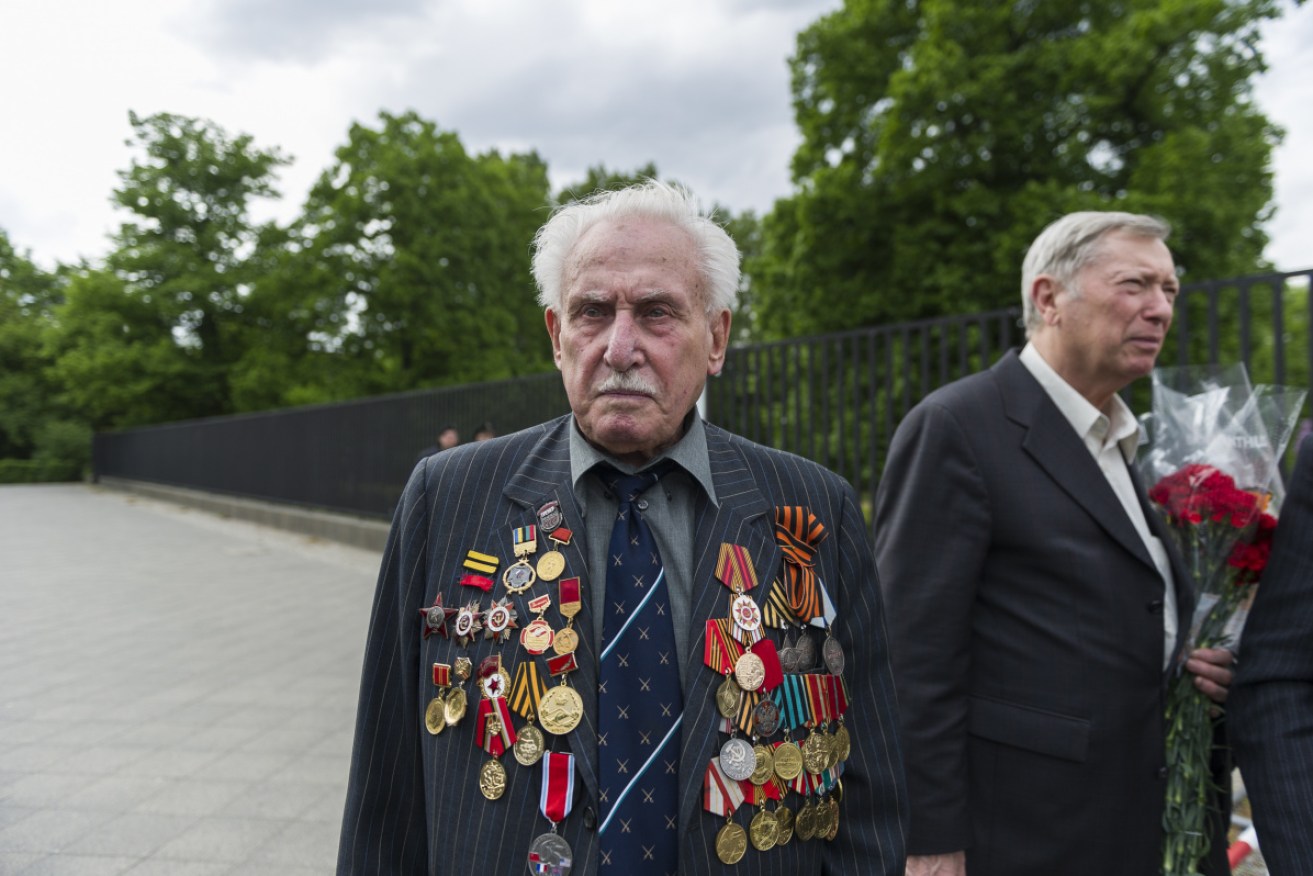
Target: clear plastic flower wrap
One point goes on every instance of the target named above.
(1213, 466)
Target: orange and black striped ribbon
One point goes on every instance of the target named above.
(721, 651)
(527, 690)
(799, 533)
(747, 705)
(775, 612)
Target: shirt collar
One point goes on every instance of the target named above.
(1117, 426)
(690, 452)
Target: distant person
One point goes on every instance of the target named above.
(1272, 707)
(448, 438)
(485, 431)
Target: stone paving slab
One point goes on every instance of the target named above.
(177, 690)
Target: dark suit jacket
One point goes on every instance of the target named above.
(1272, 704)
(413, 804)
(1026, 627)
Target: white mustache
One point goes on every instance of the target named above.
(626, 381)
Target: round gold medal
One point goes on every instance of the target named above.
(831, 750)
(765, 764)
(529, 745)
(566, 641)
(750, 671)
(454, 708)
(815, 754)
(551, 565)
(823, 819)
(561, 710)
(788, 761)
(727, 697)
(843, 743)
(763, 830)
(834, 820)
(784, 819)
(435, 717)
(731, 843)
(804, 827)
(492, 779)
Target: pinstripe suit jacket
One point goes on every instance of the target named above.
(413, 804)
(1272, 703)
(1027, 637)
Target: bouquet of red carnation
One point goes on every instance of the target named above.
(1213, 464)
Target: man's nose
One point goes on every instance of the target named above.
(1159, 306)
(622, 346)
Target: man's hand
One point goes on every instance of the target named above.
(1212, 668)
(952, 864)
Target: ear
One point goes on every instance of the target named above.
(719, 341)
(1044, 296)
(554, 332)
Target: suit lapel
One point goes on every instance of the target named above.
(544, 477)
(742, 518)
(1055, 446)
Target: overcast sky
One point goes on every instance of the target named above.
(700, 87)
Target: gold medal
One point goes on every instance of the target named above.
(454, 707)
(537, 637)
(566, 641)
(529, 745)
(750, 671)
(834, 820)
(804, 826)
(492, 779)
(763, 830)
(731, 843)
(435, 718)
(788, 761)
(561, 710)
(765, 765)
(727, 698)
(815, 754)
(831, 750)
(784, 821)
(551, 565)
(843, 744)
(823, 819)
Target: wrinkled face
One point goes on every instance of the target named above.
(1109, 332)
(632, 338)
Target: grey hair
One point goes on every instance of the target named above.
(718, 257)
(1071, 243)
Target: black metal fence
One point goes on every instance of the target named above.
(835, 399)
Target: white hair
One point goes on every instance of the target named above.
(718, 257)
(1071, 243)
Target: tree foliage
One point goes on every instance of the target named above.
(27, 297)
(940, 136)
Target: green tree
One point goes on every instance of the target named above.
(27, 298)
(940, 136)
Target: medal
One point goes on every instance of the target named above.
(788, 655)
(806, 650)
(435, 718)
(499, 620)
(815, 754)
(537, 637)
(520, 576)
(765, 717)
(784, 822)
(727, 697)
(731, 843)
(494, 732)
(737, 759)
(832, 654)
(747, 617)
(763, 830)
(804, 826)
(823, 818)
(550, 517)
(435, 618)
(788, 760)
(454, 707)
(467, 623)
(561, 708)
(492, 779)
(567, 640)
(765, 767)
(842, 742)
(834, 820)
(750, 671)
(552, 563)
(550, 854)
(529, 745)
(526, 695)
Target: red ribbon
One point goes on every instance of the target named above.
(495, 743)
(484, 584)
(770, 658)
(557, 797)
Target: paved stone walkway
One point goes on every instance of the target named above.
(177, 690)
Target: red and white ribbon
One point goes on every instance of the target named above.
(557, 797)
(721, 795)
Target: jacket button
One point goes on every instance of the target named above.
(590, 817)
(1162, 774)
(1154, 607)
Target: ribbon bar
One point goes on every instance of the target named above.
(557, 798)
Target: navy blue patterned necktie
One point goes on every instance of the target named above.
(640, 705)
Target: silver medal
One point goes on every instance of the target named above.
(550, 855)
(832, 651)
(737, 759)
